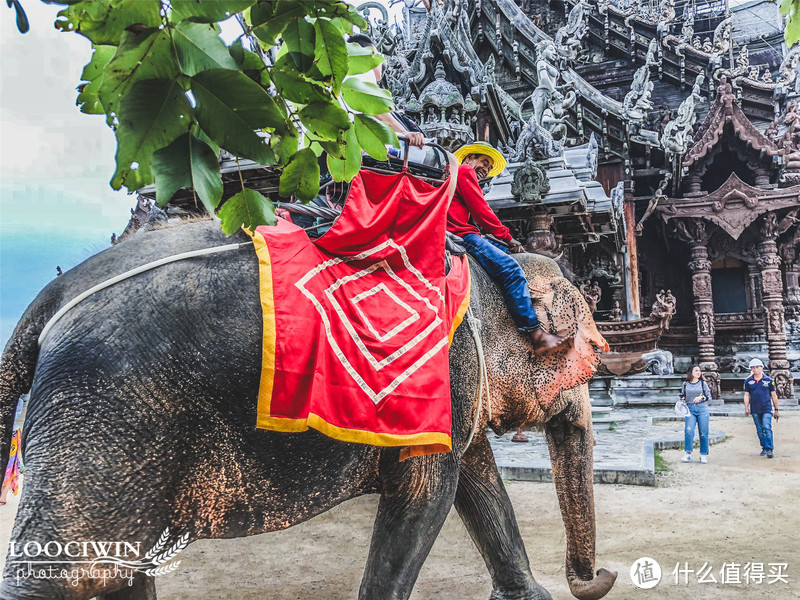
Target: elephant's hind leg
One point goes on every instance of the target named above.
(485, 508)
(416, 497)
(143, 588)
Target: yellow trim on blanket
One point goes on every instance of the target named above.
(270, 331)
(462, 309)
(359, 436)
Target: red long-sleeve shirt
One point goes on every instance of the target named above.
(468, 201)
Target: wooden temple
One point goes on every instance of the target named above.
(654, 150)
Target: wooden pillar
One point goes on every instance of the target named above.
(631, 258)
(693, 231)
(772, 297)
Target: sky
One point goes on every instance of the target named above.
(56, 207)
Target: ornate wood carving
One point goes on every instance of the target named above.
(733, 206)
(769, 262)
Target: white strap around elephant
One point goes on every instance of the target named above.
(483, 376)
(128, 274)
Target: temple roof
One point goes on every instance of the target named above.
(722, 112)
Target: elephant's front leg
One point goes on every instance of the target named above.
(485, 509)
(415, 499)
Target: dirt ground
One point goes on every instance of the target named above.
(741, 508)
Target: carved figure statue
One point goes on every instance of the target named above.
(687, 29)
(637, 100)
(569, 38)
(541, 135)
(790, 138)
(775, 321)
(592, 294)
(430, 116)
(704, 323)
(708, 47)
(678, 132)
(651, 206)
(789, 67)
(616, 312)
(743, 60)
(664, 308)
(530, 182)
(722, 36)
(666, 10)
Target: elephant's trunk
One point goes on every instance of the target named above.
(571, 453)
(593, 589)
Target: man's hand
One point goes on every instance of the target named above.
(516, 247)
(415, 138)
(775, 415)
(746, 411)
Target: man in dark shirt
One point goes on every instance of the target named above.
(481, 160)
(759, 398)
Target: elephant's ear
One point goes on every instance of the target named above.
(562, 309)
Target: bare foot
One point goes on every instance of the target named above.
(545, 342)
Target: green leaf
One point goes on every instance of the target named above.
(284, 145)
(252, 62)
(248, 208)
(299, 37)
(374, 136)
(301, 176)
(152, 115)
(188, 162)
(199, 48)
(207, 11)
(269, 18)
(336, 149)
(326, 119)
(293, 85)
(355, 17)
(88, 99)
(104, 21)
(791, 9)
(236, 50)
(366, 97)
(141, 55)
(348, 167)
(361, 60)
(330, 52)
(230, 106)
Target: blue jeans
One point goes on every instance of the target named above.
(507, 273)
(698, 414)
(763, 423)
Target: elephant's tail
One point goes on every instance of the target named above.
(561, 308)
(17, 367)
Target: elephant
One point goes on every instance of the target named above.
(142, 411)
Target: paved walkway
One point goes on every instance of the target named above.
(623, 454)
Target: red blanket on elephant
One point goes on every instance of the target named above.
(357, 324)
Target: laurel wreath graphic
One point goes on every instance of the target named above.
(157, 560)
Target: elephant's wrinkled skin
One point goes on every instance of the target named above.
(142, 416)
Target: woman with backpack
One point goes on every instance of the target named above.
(696, 394)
